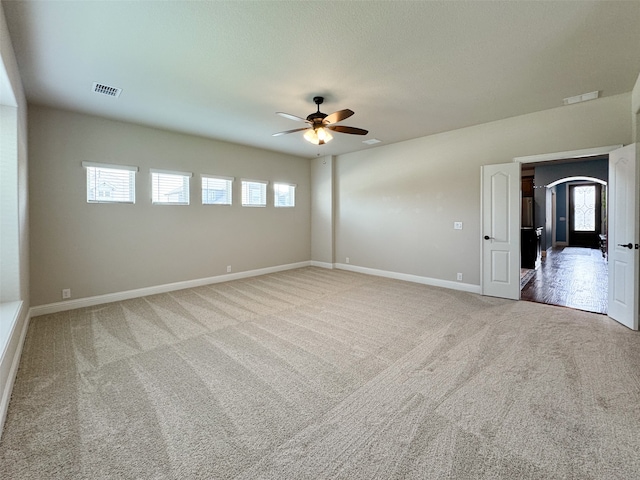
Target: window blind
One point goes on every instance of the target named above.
(254, 193)
(110, 183)
(170, 188)
(216, 190)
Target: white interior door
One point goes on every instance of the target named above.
(501, 230)
(623, 244)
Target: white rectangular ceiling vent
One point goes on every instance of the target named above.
(371, 141)
(581, 98)
(106, 90)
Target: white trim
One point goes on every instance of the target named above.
(434, 282)
(553, 219)
(264, 182)
(112, 166)
(218, 177)
(15, 362)
(285, 183)
(171, 172)
(169, 287)
(330, 266)
(588, 152)
(576, 179)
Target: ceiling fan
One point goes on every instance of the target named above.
(320, 123)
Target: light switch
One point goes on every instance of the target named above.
(457, 225)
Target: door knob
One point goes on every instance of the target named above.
(627, 245)
(487, 237)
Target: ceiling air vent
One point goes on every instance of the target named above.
(581, 98)
(107, 90)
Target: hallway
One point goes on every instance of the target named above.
(573, 277)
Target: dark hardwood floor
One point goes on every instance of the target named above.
(573, 277)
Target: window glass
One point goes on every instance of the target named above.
(584, 208)
(284, 195)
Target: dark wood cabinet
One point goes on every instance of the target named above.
(530, 247)
(527, 186)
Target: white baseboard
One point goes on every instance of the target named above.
(7, 385)
(169, 287)
(322, 264)
(435, 282)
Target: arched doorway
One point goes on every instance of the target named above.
(579, 211)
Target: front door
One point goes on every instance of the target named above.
(584, 215)
(623, 244)
(501, 230)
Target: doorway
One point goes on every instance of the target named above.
(574, 271)
(500, 214)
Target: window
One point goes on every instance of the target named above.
(584, 208)
(110, 183)
(170, 188)
(216, 190)
(284, 195)
(254, 193)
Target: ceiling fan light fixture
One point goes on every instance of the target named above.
(318, 136)
(323, 134)
(320, 125)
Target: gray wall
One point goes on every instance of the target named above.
(395, 205)
(547, 174)
(322, 211)
(96, 249)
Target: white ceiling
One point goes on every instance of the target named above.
(408, 69)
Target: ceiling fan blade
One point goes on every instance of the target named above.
(292, 117)
(289, 131)
(338, 116)
(344, 129)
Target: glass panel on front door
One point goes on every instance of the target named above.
(584, 208)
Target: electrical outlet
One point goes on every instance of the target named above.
(228, 268)
(457, 225)
(347, 259)
(459, 276)
(66, 293)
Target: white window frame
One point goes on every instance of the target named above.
(275, 194)
(112, 166)
(263, 183)
(185, 175)
(230, 181)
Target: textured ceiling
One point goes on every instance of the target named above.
(408, 69)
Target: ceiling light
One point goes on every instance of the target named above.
(318, 136)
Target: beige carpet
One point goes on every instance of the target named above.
(319, 374)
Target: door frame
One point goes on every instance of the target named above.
(585, 153)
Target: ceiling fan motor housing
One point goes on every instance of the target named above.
(317, 117)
